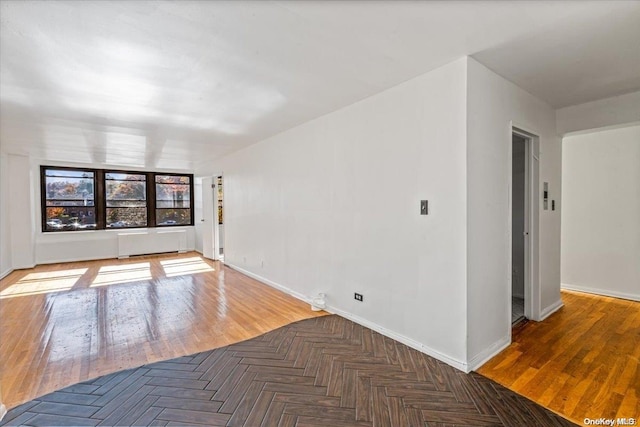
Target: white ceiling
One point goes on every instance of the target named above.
(170, 84)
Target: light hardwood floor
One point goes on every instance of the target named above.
(65, 323)
(581, 362)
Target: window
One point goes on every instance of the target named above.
(173, 200)
(126, 197)
(88, 199)
(69, 200)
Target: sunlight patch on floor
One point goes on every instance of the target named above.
(114, 274)
(43, 283)
(185, 266)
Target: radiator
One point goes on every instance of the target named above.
(143, 243)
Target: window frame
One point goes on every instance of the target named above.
(155, 200)
(43, 195)
(100, 197)
(146, 194)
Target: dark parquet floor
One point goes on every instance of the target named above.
(326, 371)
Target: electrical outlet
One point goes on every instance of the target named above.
(358, 297)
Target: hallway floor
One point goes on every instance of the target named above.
(582, 361)
(517, 309)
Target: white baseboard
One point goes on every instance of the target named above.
(64, 261)
(604, 292)
(489, 352)
(359, 320)
(460, 365)
(3, 411)
(102, 257)
(550, 310)
(271, 283)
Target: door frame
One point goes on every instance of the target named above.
(208, 227)
(531, 222)
(216, 216)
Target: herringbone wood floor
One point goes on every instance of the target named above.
(325, 371)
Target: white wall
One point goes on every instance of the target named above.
(21, 209)
(493, 103)
(333, 206)
(31, 246)
(614, 111)
(601, 212)
(78, 245)
(89, 245)
(5, 227)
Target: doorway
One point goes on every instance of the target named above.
(519, 230)
(213, 217)
(523, 275)
(218, 197)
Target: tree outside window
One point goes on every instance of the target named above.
(70, 200)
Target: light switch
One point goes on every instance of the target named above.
(424, 207)
(545, 196)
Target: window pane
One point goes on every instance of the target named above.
(126, 200)
(125, 176)
(126, 203)
(69, 200)
(70, 188)
(173, 216)
(173, 195)
(126, 217)
(69, 203)
(70, 218)
(66, 173)
(126, 191)
(173, 200)
(172, 179)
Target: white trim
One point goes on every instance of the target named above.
(99, 258)
(3, 411)
(216, 217)
(600, 129)
(463, 366)
(24, 267)
(603, 292)
(6, 273)
(271, 283)
(64, 261)
(550, 310)
(489, 352)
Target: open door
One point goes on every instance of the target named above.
(519, 228)
(208, 220)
